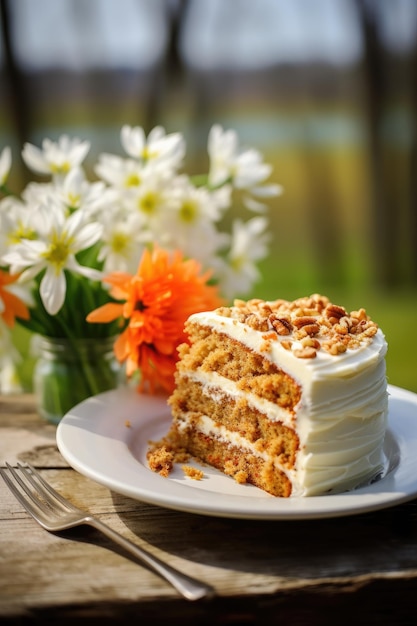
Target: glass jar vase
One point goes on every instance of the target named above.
(69, 371)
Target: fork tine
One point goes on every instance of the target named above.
(32, 506)
(47, 491)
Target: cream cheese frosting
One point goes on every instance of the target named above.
(341, 417)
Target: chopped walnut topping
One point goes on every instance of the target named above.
(370, 331)
(304, 320)
(359, 315)
(311, 329)
(282, 325)
(257, 323)
(313, 321)
(310, 342)
(334, 347)
(224, 311)
(305, 353)
(334, 311)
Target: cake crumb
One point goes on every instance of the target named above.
(164, 454)
(161, 460)
(192, 472)
(241, 477)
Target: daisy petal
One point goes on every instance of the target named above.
(52, 290)
(133, 141)
(34, 159)
(83, 270)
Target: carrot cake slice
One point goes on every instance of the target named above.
(288, 396)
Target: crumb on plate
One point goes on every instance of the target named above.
(192, 472)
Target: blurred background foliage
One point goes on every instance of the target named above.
(326, 89)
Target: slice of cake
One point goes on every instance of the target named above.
(288, 396)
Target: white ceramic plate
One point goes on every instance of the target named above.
(106, 439)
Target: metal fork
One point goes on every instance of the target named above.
(55, 513)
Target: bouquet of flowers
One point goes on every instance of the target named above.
(129, 255)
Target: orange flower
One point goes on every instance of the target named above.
(158, 299)
(10, 305)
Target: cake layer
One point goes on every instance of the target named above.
(211, 350)
(239, 463)
(289, 352)
(193, 400)
(339, 457)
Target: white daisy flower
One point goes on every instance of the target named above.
(118, 172)
(249, 240)
(249, 244)
(76, 192)
(190, 224)
(222, 149)
(195, 203)
(56, 158)
(37, 193)
(151, 200)
(158, 149)
(16, 223)
(200, 240)
(123, 242)
(59, 240)
(244, 169)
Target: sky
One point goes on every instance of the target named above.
(234, 34)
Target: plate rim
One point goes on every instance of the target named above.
(390, 491)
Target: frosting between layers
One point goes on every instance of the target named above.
(344, 401)
(217, 387)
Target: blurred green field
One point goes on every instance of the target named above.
(323, 232)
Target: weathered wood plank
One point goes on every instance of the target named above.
(250, 551)
(259, 569)
(25, 436)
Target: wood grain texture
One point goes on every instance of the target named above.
(361, 568)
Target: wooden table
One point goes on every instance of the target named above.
(360, 570)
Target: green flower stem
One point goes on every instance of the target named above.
(90, 377)
(76, 359)
(55, 397)
(67, 372)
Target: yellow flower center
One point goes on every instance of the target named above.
(60, 168)
(148, 203)
(132, 180)
(73, 199)
(58, 252)
(21, 232)
(119, 242)
(237, 262)
(147, 154)
(188, 211)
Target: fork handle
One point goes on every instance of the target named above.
(190, 588)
